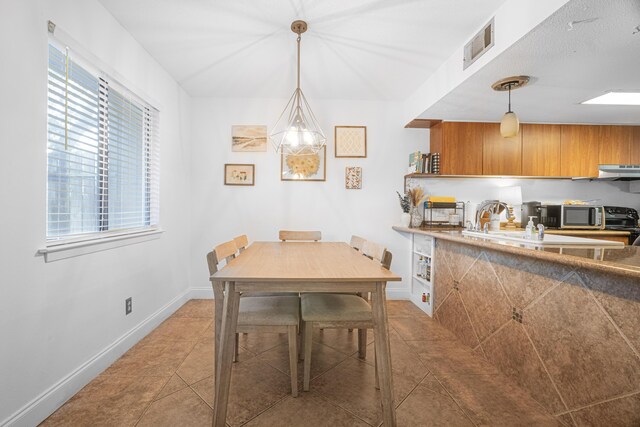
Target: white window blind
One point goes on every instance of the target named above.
(102, 153)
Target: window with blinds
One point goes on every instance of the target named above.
(102, 158)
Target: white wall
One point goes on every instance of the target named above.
(221, 212)
(54, 317)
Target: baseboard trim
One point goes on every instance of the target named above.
(51, 399)
(201, 293)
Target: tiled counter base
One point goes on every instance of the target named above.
(568, 335)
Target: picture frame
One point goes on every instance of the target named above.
(350, 141)
(353, 178)
(304, 167)
(248, 138)
(239, 174)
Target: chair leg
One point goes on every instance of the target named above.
(375, 362)
(293, 359)
(308, 333)
(236, 347)
(362, 343)
(301, 341)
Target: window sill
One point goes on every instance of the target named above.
(55, 251)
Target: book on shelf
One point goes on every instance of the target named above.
(428, 163)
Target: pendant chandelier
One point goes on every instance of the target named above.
(510, 124)
(297, 131)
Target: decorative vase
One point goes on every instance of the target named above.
(416, 217)
(405, 219)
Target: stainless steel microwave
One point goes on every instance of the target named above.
(572, 216)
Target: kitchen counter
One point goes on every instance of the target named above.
(623, 261)
(561, 322)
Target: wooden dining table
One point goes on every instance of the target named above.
(300, 267)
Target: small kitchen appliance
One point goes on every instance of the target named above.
(622, 219)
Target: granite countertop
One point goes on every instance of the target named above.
(624, 260)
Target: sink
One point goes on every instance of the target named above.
(549, 239)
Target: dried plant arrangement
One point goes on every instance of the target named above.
(416, 196)
(405, 203)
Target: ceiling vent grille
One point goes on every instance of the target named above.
(478, 45)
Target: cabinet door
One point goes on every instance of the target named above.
(462, 148)
(615, 144)
(634, 156)
(500, 155)
(579, 150)
(540, 150)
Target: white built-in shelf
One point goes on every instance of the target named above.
(423, 281)
(421, 254)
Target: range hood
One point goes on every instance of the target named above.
(616, 173)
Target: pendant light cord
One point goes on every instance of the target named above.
(509, 98)
(299, 38)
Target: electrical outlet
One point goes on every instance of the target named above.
(128, 306)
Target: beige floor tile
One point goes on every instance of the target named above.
(198, 308)
(492, 400)
(159, 358)
(174, 384)
(182, 408)
(323, 358)
(426, 408)
(255, 386)
(260, 342)
(108, 401)
(399, 308)
(422, 328)
(199, 363)
(306, 410)
(451, 357)
(351, 385)
(180, 328)
(340, 339)
(405, 361)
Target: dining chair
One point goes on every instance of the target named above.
(286, 235)
(277, 314)
(241, 242)
(357, 242)
(339, 311)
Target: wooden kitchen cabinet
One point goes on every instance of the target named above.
(634, 150)
(579, 150)
(460, 147)
(540, 150)
(615, 144)
(500, 155)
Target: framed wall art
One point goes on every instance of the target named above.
(248, 138)
(239, 174)
(353, 178)
(306, 166)
(351, 141)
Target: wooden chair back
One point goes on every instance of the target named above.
(241, 242)
(226, 251)
(357, 242)
(378, 252)
(286, 235)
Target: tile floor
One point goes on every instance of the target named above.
(167, 380)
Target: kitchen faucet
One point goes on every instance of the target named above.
(490, 206)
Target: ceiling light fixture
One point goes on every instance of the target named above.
(510, 124)
(297, 131)
(615, 98)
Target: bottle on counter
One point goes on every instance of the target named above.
(530, 230)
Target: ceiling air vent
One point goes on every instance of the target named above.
(478, 45)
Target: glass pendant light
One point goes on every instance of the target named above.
(510, 124)
(297, 131)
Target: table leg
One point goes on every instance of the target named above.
(383, 354)
(218, 295)
(225, 354)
